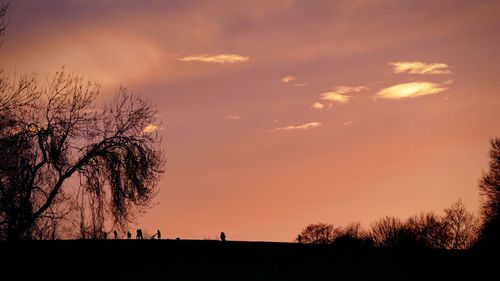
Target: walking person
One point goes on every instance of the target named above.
(138, 234)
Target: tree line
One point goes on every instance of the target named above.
(457, 228)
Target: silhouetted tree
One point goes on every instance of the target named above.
(429, 230)
(461, 226)
(392, 232)
(352, 235)
(319, 233)
(59, 151)
(489, 186)
(385, 231)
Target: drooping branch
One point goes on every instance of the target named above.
(119, 162)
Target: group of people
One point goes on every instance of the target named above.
(139, 235)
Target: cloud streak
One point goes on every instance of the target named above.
(292, 81)
(305, 126)
(339, 95)
(410, 90)
(418, 67)
(218, 58)
(317, 105)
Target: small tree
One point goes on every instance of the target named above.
(461, 226)
(429, 230)
(489, 186)
(353, 235)
(319, 233)
(392, 232)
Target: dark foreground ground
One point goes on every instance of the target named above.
(215, 260)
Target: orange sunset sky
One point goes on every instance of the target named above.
(277, 114)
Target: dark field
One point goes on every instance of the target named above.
(215, 260)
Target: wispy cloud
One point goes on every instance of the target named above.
(288, 79)
(218, 58)
(233, 117)
(348, 123)
(410, 90)
(150, 128)
(339, 95)
(317, 105)
(292, 81)
(418, 67)
(305, 126)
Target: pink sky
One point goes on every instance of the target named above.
(277, 114)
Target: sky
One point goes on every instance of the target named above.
(278, 114)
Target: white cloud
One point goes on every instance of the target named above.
(317, 105)
(233, 117)
(418, 67)
(288, 79)
(305, 126)
(335, 97)
(219, 58)
(410, 90)
(150, 128)
(339, 95)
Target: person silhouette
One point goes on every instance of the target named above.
(116, 234)
(129, 235)
(299, 238)
(158, 234)
(222, 236)
(138, 234)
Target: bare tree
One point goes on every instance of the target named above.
(60, 150)
(353, 235)
(392, 232)
(429, 230)
(461, 225)
(319, 233)
(353, 230)
(489, 186)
